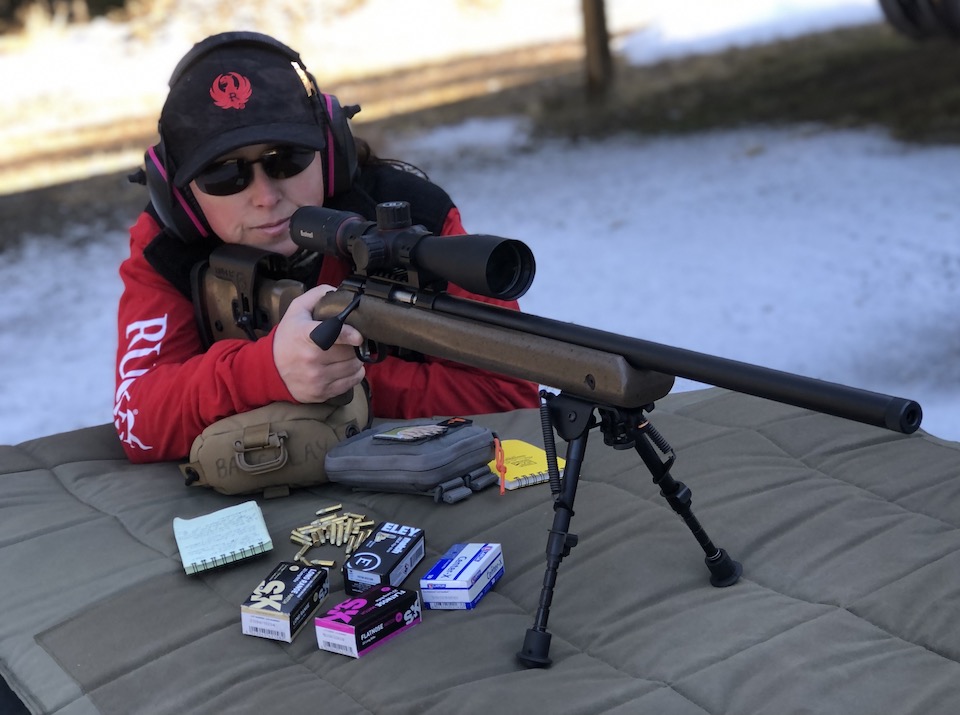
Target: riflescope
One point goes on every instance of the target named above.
(487, 265)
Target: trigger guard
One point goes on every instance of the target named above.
(370, 353)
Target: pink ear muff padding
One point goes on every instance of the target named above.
(198, 224)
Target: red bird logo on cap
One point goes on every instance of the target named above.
(230, 91)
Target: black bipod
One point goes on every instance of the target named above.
(573, 418)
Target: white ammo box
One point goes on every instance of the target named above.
(462, 576)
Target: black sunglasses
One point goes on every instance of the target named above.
(225, 178)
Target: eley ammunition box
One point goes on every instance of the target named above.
(356, 625)
(387, 556)
(283, 601)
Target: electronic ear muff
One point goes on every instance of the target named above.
(340, 154)
(178, 209)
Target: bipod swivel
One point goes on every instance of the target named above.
(573, 418)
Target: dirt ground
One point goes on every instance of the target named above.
(867, 76)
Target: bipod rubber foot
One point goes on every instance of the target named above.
(536, 645)
(724, 571)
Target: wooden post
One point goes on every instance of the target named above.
(599, 64)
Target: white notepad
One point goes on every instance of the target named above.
(221, 537)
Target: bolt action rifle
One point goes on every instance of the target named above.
(396, 298)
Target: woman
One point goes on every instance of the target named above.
(246, 138)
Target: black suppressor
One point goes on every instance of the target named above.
(491, 266)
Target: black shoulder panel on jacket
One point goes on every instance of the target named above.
(429, 204)
(173, 258)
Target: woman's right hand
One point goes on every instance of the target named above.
(312, 374)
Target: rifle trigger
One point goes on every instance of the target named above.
(370, 353)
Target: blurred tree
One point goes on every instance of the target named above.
(14, 14)
(597, 40)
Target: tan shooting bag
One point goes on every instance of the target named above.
(274, 448)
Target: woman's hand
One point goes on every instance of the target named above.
(312, 374)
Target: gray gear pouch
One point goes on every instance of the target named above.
(447, 460)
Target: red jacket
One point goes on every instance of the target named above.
(169, 389)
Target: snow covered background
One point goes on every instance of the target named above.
(827, 253)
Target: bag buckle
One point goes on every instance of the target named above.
(257, 439)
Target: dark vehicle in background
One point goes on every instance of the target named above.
(924, 19)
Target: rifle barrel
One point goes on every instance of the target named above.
(872, 408)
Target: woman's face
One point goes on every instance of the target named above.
(259, 215)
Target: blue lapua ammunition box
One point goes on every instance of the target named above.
(386, 557)
(462, 576)
(283, 601)
(356, 625)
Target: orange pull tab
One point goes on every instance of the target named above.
(501, 466)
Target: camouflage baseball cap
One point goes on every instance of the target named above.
(233, 90)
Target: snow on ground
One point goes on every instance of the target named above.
(830, 254)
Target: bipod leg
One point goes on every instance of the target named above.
(573, 420)
(724, 571)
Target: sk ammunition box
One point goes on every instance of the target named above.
(360, 623)
(462, 576)
(387, 556)
(283, 601)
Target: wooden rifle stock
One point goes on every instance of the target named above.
(593, 374)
